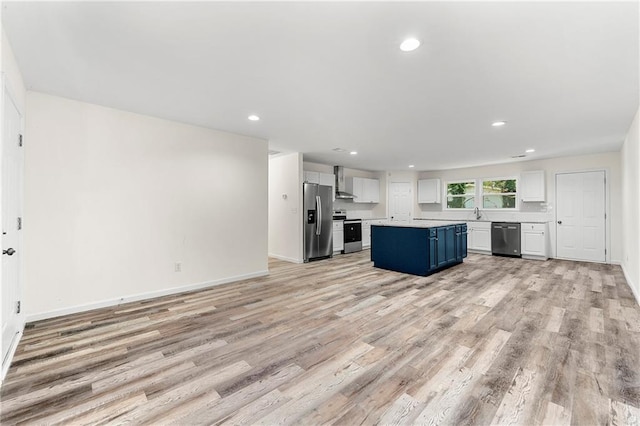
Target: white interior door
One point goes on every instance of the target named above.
(580, 217)
(11, 225)
(400, 201)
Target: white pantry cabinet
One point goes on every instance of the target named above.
(532, 188)
(338, 236)
(534, 241)
(366, 190)
(429, 191)
(479, 236)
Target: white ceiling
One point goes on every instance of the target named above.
(326, 75)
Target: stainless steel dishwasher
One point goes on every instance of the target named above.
(505, 239)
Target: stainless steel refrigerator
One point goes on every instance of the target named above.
(318, 221)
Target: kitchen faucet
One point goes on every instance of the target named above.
(476, 211)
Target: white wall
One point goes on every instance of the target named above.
(285, 213)
(630, 159)
(12, 73)
(535, 211)
(316, 167)
(113, 199)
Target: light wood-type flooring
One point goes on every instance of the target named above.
(492, 341)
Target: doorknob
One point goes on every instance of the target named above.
(559, 222)
(8, 252)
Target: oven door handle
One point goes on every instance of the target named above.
(319, 218)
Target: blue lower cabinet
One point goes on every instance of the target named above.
(446, 245)
(450, 246)
(433, 249)
(441, 247)
(418, 251)
(400, 249)
(461, 242)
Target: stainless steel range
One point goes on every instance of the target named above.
(352, 235)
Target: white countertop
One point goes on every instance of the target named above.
(369, 219)
(484, 220)
(420, 223)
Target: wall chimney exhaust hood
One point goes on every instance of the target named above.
(341, 192)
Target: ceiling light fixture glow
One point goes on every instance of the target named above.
(354, 153)
(253, 117)
(411, 166)
(409, 44)
(498, 123)
(530, 150)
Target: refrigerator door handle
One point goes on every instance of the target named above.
(319, 214)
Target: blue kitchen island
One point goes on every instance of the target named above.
(418, 247)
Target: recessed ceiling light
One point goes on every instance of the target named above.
(253, 117)
(411, 166)
(409, 44)
(530, 150)
(354, 153)
(498, 123)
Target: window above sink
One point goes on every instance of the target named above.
(485, 193)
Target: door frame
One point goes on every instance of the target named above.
(607, 208)
(7, 89)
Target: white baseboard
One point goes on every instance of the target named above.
(285, 258)
(12, 351)
(631, 284)
(140, 296)
(532, 257)
(479, 251)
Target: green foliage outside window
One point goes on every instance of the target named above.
(495, 194)
(499, 194)
(461, 195)
(499, 186)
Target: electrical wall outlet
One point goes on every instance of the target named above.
(178, 267)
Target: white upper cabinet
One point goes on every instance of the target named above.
(532, 186)
(322, 179)
(329, 180)
(429, 191)
(366, 190)
(311, 177)
(372, 190)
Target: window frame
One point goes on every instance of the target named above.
(479, 193)
(446, 194)
(480, 203)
